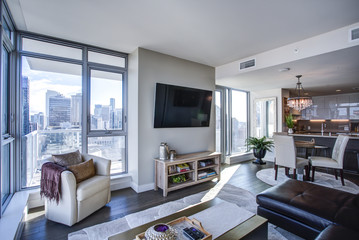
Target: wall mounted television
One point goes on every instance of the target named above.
(177, 106)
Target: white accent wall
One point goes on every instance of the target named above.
(146, 68)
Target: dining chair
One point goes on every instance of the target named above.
(335, 162)
(286, 156)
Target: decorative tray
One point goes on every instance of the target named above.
(179, 224)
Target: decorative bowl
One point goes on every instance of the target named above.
(161, 231)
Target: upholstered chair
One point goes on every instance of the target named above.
(335, 162)
(286, 156)
(79, 200)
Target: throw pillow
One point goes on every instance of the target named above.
(68, 159)
(83, 170)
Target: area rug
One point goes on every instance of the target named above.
(226, 192)
(324, 179)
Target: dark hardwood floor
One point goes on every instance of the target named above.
(127, 201)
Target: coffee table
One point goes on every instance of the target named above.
(255, 227)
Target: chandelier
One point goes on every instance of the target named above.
(300, 102)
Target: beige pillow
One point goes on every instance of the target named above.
(83, 170)
(68, 159)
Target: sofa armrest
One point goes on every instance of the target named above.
(102, 165)
(333, 232)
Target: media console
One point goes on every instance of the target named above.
(186, 170)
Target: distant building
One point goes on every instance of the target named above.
(112, 113)
(25, 105)
(49, 94)
(118, 118)
(59, 110)
(112, 104)
(76, 109)
(37, 120)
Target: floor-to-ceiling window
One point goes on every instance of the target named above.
(231, 120)
(239, 121)
(72, 97)
(7, 171)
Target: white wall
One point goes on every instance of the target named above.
(155, 67)
(132, 118)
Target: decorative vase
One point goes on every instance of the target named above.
(290, 130)
(259, 154)
(161, 231)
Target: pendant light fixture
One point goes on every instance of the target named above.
(300, 102)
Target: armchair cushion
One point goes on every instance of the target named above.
(67, 159)
(83, 171)
(92, 186)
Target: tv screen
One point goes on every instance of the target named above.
(177, 106)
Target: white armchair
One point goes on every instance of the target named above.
(80, 200)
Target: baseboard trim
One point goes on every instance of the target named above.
(233, 159)
(121, 182)
(142, 188)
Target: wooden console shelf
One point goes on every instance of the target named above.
(164, 176)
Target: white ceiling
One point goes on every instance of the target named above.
(322, 74)
(211, 32)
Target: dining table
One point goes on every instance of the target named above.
(310, 148)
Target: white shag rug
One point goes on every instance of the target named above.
(226, 192)
(324, 179)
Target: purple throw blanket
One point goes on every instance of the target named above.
(51, 181)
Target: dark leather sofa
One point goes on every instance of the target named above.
(311, 211)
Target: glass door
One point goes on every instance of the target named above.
(239, 121)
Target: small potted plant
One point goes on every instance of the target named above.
(289, 122)
(260, 147)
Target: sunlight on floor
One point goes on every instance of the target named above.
(34, 214)
(226, 175)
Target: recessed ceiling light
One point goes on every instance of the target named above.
(338, 90)
(283, 70)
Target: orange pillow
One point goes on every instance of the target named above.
(83, 170)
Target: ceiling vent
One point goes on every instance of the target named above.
(247, 64)
(354, 34)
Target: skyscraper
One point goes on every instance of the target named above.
(49, 94)
(59, 110)
(25, 105)
(76, 107)
(112, 113)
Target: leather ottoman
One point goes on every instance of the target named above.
(306, 209)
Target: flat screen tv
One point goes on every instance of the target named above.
(177, 106)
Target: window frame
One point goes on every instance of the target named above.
(227, 117)
(86, 68)
(8, 45)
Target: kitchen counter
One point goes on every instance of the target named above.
(325, 135)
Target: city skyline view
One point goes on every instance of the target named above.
(52, 99)
(69, 84)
